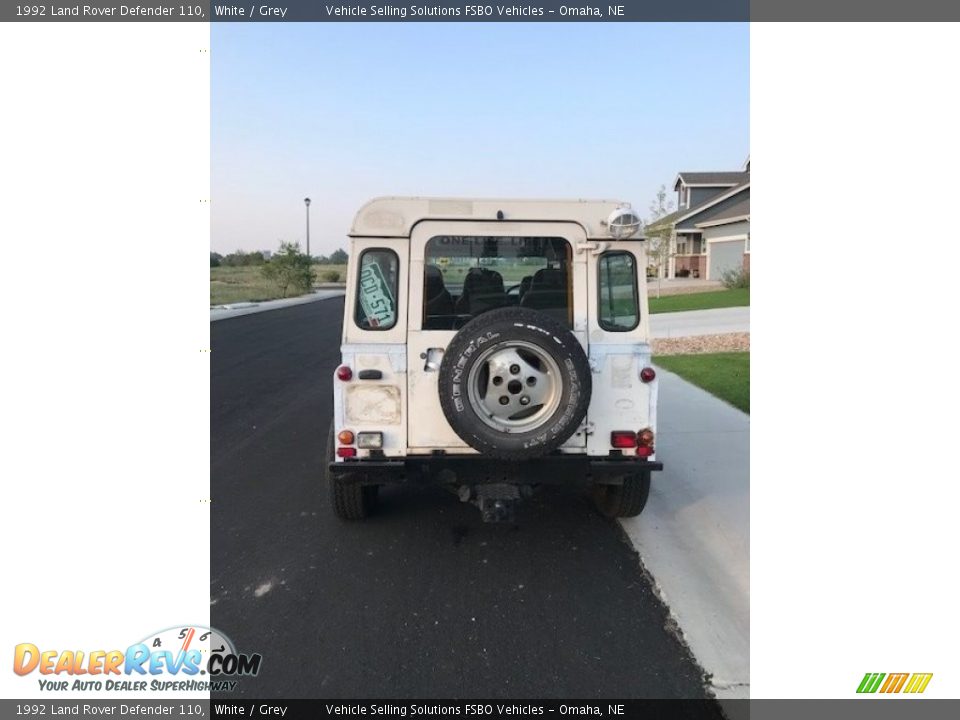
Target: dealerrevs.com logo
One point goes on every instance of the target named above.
(910, 683)
(182, 659)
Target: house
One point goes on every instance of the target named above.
(710, 231)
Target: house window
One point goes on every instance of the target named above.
(618, 300)
(681, 246)
(376, 302)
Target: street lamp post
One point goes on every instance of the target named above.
(306, 201)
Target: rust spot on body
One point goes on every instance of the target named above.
(373, 404)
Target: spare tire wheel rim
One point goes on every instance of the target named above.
(515, 387)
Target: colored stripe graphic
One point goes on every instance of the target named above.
(894, 682)
(870, 682)
(918, 682)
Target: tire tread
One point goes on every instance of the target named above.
(626, 500)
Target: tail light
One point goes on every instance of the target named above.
(346, 452)
(623, 439)
(345, 437)
(648, 374)
(344, 373)
(645, 440)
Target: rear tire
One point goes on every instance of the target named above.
(627, 500)
(350, 500)
(371, 496)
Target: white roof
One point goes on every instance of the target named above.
(396, 216)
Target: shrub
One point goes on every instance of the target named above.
(735, 279)
(683, 272)
(289, 269)
(330, 276)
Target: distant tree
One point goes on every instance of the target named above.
(330, 276)
(215, 259)
(289, 269)
(337, 257)
(243, 259)
(659, 237)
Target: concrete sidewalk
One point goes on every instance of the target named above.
(222, 312)
(681, 286)
(694, 535)
(700, 322)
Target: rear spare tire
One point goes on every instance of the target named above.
(514, 384)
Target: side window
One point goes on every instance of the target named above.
(376, 305)
(619, 307)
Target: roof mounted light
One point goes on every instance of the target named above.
(623, 223)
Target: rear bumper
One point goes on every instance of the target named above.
(558, 469)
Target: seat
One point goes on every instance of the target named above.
(437, 301)
(548, 294)
(525, 285)
(482, 291)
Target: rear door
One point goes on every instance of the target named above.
(446, 257)
(619, 345)
(374, 335)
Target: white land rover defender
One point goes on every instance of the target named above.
(493, 346)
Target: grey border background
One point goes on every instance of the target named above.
(634, 11)
(873, 708)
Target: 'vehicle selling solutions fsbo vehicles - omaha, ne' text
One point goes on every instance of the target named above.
(493, 346)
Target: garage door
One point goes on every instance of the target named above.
(725, 255)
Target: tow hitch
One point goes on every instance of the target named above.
(497, 501)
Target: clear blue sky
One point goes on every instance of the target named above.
(345, 112)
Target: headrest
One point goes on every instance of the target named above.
(549, 278)
(433, 281)
(483, 281)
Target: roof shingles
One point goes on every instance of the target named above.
(741, 209)
(668, 220)
(712, 178)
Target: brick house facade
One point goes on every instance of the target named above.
(709, 233)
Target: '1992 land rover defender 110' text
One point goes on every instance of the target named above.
(493, 346)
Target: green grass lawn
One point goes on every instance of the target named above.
(699, 301)
(726, 375)
(247, 284)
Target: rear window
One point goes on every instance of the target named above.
(376, 303)
(619, 307)
(466, 275)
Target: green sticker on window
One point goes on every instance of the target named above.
(375, 297)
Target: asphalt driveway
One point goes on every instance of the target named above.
(422, 600)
